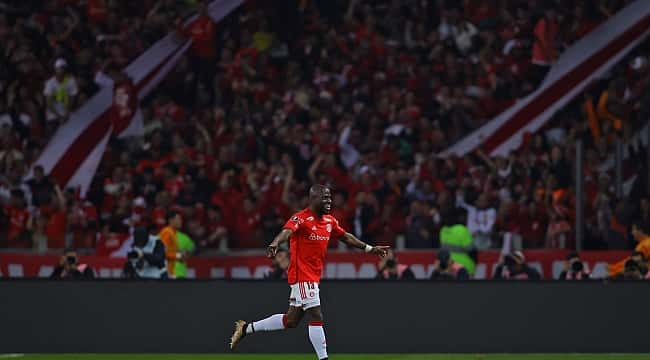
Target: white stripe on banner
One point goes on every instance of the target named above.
(68, 132)
(91, 111)
(84, 174)
(513, 142)
(163, 71)
(578, 54)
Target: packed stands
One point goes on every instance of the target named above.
(361, 96)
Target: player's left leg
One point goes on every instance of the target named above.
(272, 323)
(316, 332)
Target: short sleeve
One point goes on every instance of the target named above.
(72, 87)
(294, 223)
(337, 230)
(48, 90)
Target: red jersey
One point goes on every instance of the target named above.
(308, 244)
(17, 222)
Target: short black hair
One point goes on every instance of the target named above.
(631, 265)
(317, 190)
(171, 214)
(573, 254)
(140, 235)
(68, 250)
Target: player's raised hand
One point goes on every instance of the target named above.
(271, 250)
(380, 250)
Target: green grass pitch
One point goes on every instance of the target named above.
(332, 356)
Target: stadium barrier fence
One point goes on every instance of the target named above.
(360, 316)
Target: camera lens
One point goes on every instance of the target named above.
(577, 266)
(71, 260)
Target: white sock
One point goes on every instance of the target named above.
(271, 323)
(317, 337)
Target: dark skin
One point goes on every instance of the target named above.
(320, 202)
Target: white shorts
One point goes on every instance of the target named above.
(304, 295)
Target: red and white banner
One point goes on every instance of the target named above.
(74, 152)
(588, 59)
(339, 265)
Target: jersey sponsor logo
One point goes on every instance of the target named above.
(313, 236)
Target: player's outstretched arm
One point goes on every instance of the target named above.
(281, 238)
(353, 241)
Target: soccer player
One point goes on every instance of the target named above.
(309, 231)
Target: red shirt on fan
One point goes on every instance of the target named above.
(308, 244)
(203, 31)
(18, 218)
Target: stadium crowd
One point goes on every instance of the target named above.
(358, 95)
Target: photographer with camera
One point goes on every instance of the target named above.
(279, 266)
(514, 267)
(574, 269)
(634, 268)
(146, 260)
(391, 269)
(447, 269)
(70, 268)
(641, 251)
(631, 271)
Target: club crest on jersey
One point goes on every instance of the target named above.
(296, 219)
(329, 228)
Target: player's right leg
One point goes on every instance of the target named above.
(316, 332)
(272, 323)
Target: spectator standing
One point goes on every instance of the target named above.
(480, 220)
(544, 45)
(203, 52)
(55, 214)
(41, 187)
(60, 92)
(419, 230)
(16, 217)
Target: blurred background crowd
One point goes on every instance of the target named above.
(359, 95)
